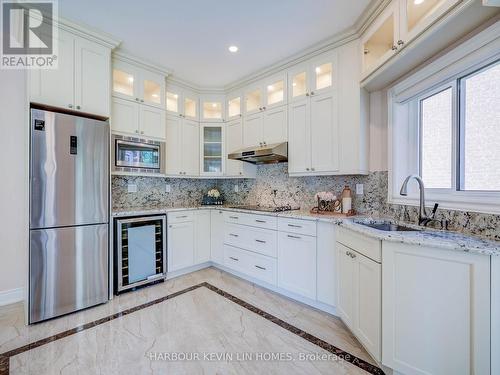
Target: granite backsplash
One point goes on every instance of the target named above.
(296, 191)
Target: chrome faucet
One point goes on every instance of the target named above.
(423, 219)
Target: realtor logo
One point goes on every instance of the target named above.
(29, 34)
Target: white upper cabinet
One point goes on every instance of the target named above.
(234, 142)
(212, 108)
(234, 103)
(183, 147)
(81, 81)
(212, 149)
(379, 42)
(135, 119)
(416, 16)
(182, 102)
(313, 141)
(266, 94)
(132, 82)
(399, 23)
(314, 77)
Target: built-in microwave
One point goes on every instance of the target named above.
(137, 155)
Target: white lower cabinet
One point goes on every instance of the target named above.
(436, 307)
(217, 238)
(297, 264)
(181, 244)
(203, 237)
(254, 265)
(326, 288)
(359, 297)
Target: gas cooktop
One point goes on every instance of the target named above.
(267, 209)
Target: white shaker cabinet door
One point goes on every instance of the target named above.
(181, 242)
(190, 147)
(203, 232)
(297, 264)
(327, 264)
(174, 145)
(92, 77)
(217, 237)
(275, 125)
(444, 328)
(55, 87)
(299, 138)
(346, 267)
(152, 122)
(252, 130)
(125, 116)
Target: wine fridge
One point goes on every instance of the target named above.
(140, 251)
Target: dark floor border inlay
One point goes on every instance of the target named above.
(368, 367)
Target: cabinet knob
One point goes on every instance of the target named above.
(394, 48)
(312, 93)
(137, 131)
(400, 42)
(264, 108)
(78, 107)
(136, 99)
(307, 169)
(142, 131)
(260, 108)
(312, 169)
(70, 105)
(142, 100)
(307, 94)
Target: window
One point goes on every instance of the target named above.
(480, 130)
(460, 144)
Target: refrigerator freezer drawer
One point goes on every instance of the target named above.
(68, 270)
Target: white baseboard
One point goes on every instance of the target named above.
(11, 296)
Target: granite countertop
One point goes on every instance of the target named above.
(429, 237)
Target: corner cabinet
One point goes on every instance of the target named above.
(82, 80)
(445, 327)
(212, 150)
(183, 147)
(234, 142)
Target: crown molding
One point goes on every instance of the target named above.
(350, 34)
(125, 56)
(88, 32)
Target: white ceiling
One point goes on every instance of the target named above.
(191, 37)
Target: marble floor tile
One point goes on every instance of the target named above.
(196, 322)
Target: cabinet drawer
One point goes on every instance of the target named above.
(367, 246)
(251, 264)
(262, 241)
(306, 227)
(259, 221)
(180, 216)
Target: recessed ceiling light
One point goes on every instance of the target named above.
(418, 2)
(270, 88)
(214, 105)
(318, 69)
(233, 49)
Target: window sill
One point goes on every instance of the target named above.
(488, 206)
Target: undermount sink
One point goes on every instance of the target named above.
(390, 227)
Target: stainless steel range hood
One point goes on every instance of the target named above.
(267, 154)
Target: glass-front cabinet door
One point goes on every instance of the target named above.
(233, 105)
(212, 108)
(212, 149)
(379, 42)
(125, 81)
(253, 100)
(417, 15)
(190, 107)
(298, 82)
(323, 73)
(275, 89)
(173, 101)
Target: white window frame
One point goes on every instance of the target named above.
(404, 128)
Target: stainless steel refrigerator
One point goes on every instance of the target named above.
(69, 192)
